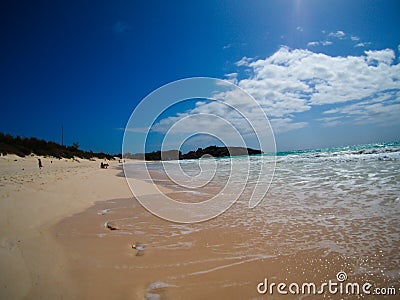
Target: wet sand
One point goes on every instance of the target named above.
(210, 260)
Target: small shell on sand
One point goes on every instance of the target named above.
(139, 247)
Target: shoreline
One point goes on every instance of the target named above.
(54, 242)
(182, 261)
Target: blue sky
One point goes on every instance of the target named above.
(327, 72)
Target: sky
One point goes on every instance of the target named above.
(326, 73)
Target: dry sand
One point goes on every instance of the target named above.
(54, 243)
(32, 201)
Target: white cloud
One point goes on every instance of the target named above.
(323, 43)
(362, 44)
(281, 125)
(383, 56)
(244, 61)
(294, 81)
(299, 28)
(341, 79)
(326, 43)
(337, 34)
(312, 44)
(383, 109)
(363, 88)
(232, 77)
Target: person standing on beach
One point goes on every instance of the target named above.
(40, 163)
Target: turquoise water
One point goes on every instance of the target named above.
(354, 149)
(344, 200)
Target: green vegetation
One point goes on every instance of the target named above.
(27, 146)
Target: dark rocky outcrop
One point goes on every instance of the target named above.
(213, 151)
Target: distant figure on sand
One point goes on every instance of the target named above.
(40, 163)
(103, 165)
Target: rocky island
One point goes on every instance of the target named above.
(213, 151)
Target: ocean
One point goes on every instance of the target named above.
(335, 202)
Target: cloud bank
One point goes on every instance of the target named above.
(294, 81)
(332, 90)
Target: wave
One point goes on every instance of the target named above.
(375, 151)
